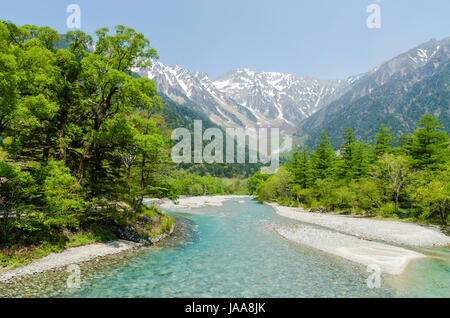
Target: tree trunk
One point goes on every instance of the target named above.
(62, 147)
(82, 164)
(443, 212)
(46, 150)
(141, 195)
(396, 202)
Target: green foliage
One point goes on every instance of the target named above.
(184, 183)
(81, 139)
(324, 158)
(394, 172)
(433, 198)
(412, 180)
(353, 158)
(276, 187)
(301, 168)
(383, 142)
(255, 181)
(62, 196)
(369, 196)
(428, 146)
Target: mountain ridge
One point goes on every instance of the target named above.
(266, 99)
(388, 95)
(305, 105)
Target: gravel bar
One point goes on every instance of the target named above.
(390, 259)
(73, 255)
(393, 232)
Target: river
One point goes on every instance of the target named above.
(233, 251)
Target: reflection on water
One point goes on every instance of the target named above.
(232, 251)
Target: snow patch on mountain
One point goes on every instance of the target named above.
(245, 97)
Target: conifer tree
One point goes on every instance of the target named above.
(428, 144)
(301, 168)
(383, 142)
(323, 159)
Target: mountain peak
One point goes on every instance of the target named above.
(245, 97)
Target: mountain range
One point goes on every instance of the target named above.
(397, 92)
(247, 98)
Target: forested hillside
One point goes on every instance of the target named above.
(411, 181)
(397, 93)
(83, 141)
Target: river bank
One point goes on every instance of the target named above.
(360, 240)
(198, 201)
(392, 232)
(84, 253)
(364, 241)
(73, 255)
(239, 248)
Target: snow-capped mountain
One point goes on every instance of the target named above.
(248, 98)
(245, 97)
(197, 91)
(280, 96)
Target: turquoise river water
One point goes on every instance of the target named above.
(233, 251)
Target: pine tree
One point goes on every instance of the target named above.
(428, 145)
(354, 161)
(323, 159)
(383, 142)
(301, 168)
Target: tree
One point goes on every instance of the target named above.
(323, 158)
(16, 188)
(369, 196)
(8, 74)
(79, 128)
(277, 186)
(254, 181)
(394, 172)
(31, 125)
(353, 163)
(152, 157)
(428, 145)
(109, 91)
(383, 142)
(300, 167)
(434, 198)
(62, 196)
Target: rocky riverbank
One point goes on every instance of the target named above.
(391, 232)
(364, 241)
(74, 255)
(198, 201)
(129, 239)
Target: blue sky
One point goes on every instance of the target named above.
(326, 39)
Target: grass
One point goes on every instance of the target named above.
(80, 239)
(16, 256)
(159, 223)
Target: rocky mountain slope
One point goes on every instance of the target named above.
(396, 93)
(245, 97)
